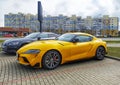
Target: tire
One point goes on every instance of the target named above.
(51, 60)
(100, 53)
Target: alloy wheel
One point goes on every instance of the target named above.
(51, 59)
(100, 53)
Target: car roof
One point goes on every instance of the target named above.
(80, 33)
(45, 32)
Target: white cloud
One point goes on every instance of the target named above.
(67, 7)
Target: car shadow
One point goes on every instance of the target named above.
(31, 69)
(66, 65)
(3, 54)
(78, 62)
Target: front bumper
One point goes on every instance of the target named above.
(9, 49)
(33, 60)
(37, 65)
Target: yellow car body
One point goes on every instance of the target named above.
(33, 54)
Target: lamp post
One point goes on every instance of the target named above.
(40, 17)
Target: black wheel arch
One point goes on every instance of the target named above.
(22, 44)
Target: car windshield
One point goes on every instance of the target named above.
(66, 37)
(32, 35)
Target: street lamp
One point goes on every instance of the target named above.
(40, 17)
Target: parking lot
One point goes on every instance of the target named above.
(87, 72)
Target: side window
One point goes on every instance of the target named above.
(51, 35)
(83, 38)
(43, 35)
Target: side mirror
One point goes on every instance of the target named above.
(75, 40)
(38, 38)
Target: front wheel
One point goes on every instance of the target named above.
(100, 53)
(51, 60)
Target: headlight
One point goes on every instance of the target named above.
(32, 51)
(13, 43)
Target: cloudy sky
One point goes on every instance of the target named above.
(95, 8)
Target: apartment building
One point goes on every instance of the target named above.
(100, 26)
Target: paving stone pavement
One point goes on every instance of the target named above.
(88, 72)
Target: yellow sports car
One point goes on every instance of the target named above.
(49, 54)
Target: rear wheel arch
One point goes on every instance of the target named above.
(103, 52)
(23, 44)
(101, 46)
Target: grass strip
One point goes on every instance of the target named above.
(2, 41)
(112, 41)
(114, 52)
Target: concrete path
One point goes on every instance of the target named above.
(113, 45)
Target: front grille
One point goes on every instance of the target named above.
(4, 44)
(25, 59)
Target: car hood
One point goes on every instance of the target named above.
(18, 39)
(45, 45)
(51, 42)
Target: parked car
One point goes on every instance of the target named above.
(8, 35)
(68, 47)
(12, 45)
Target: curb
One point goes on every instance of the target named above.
(115, 58)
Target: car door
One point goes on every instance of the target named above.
(80, 48)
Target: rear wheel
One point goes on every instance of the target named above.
(51, 60)
(100, 53)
